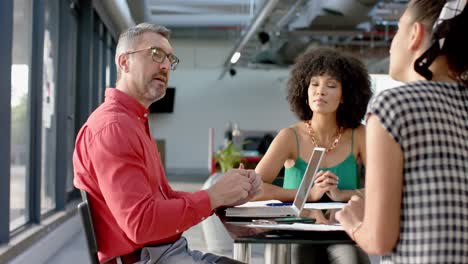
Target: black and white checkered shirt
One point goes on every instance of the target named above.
(429, 120)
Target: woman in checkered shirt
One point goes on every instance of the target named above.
(416, 195)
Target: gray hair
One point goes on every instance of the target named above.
(130, 37)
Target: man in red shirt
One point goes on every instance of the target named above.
(136, 214)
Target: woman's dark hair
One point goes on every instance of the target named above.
(352, 74)
(456, 42)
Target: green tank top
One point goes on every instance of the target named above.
(347, 170)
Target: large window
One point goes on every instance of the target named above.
(109, 60)
(56, 57)
(20, 123)
(49, 115)
(69, 41)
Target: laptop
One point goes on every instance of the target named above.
(301, 196)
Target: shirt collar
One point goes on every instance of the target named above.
(126, 100)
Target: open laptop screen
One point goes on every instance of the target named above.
(308, 180)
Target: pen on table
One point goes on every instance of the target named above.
(279, 204)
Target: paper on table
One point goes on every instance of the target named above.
(323, 206)
(320, 206)
(258, 203)
(300, 227)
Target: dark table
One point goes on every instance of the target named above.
(277, 242)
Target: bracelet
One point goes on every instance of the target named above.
(355, 229)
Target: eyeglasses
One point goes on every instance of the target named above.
(159, 56)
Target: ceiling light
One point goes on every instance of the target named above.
(235, 57)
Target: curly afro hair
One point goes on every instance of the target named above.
(352, 74)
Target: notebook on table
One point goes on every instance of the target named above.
(301, 196)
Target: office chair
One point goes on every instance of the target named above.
(85, 212)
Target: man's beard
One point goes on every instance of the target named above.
(159, 95)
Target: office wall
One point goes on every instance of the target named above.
(255, 99)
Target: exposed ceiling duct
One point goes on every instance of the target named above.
(199, 13)
(115, 14)
(202, 20)
(348, 8)
(272, 33)
(305, 22)
(356, 26)
(256, 22)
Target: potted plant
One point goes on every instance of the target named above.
(228, 157)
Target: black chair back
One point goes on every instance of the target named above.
(85, 212)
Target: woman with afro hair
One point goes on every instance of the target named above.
(328, 91)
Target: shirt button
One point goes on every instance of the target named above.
(203, 218)
(177, 231)
(145, 115)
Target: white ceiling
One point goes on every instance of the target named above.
(293, 25)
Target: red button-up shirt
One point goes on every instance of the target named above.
(117, 163)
